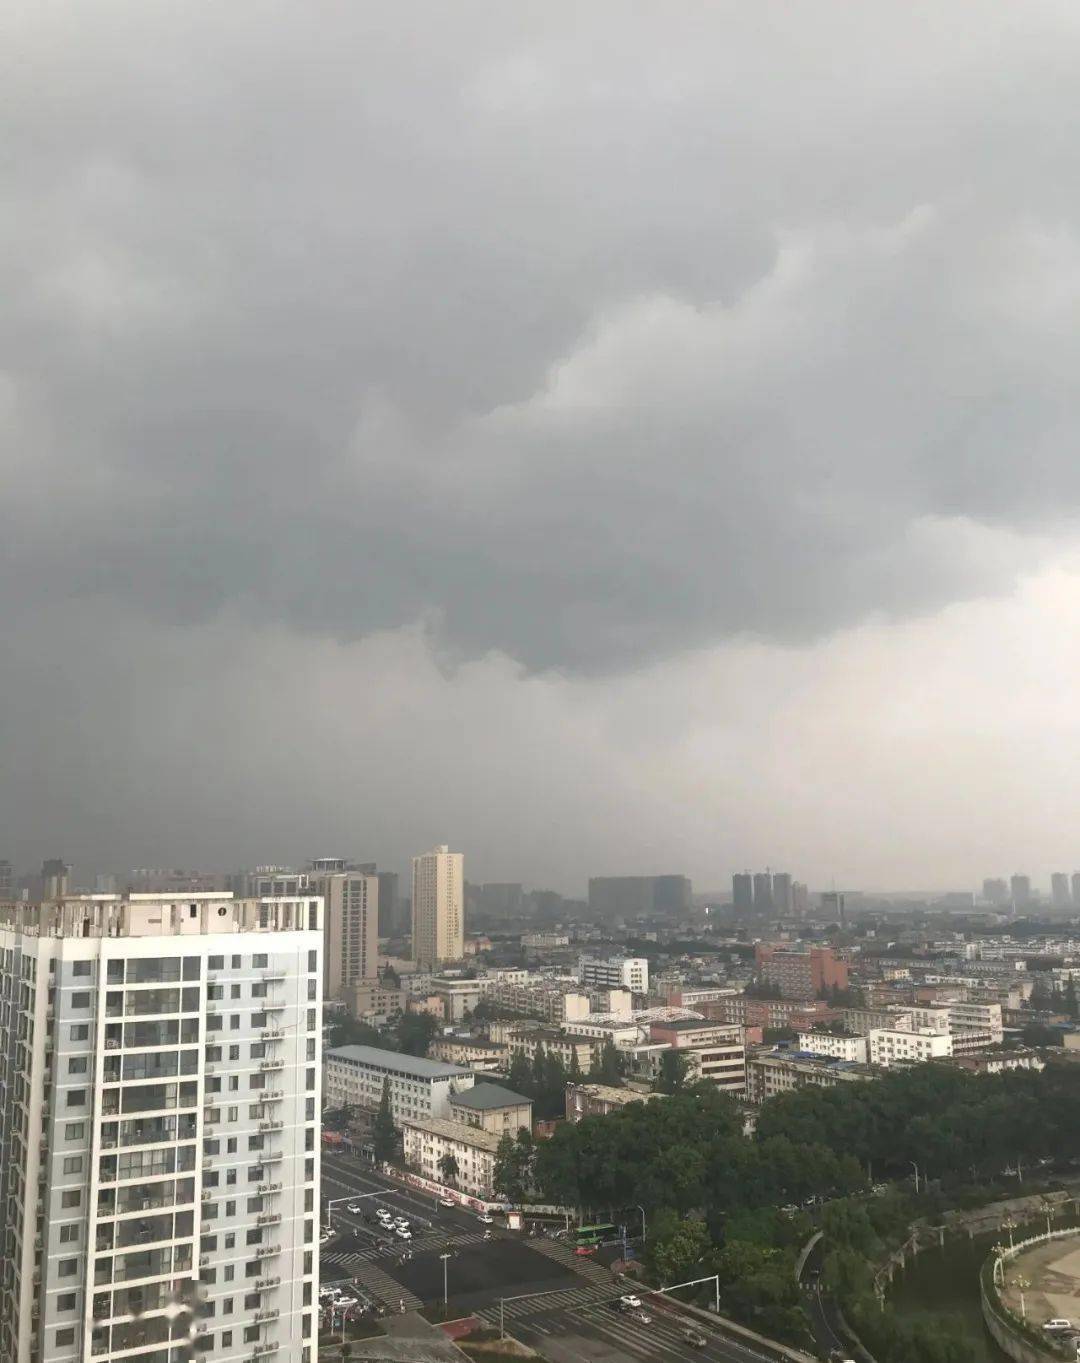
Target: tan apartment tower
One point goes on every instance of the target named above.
(438, 917)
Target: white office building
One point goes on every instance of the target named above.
(889, 1048)
(851, 1048)
(159, 1073)
(617, 972)
(438, 907)
(419, 1088)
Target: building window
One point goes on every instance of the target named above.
(80, 999)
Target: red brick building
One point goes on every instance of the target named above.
(801, 974)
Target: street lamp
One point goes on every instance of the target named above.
(445, 1294)
(1010, 1225)
(999, 1251)
(1020, 1284)
(641, 1209)
(1051, 1212)
(916, 1168)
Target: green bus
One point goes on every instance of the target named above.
(593, 1235)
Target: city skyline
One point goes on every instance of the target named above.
(621, 445)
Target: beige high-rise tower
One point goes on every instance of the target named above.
(438, 912)
(352, 930)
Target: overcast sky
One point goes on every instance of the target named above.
(606, 438)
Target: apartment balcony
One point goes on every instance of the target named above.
(271, 1156)
(272, 1034)
(266, 1284)
(268, 1219)
(271, 1126)
(267, 1251)
(265, 1188)
(272, 1096)
(270, 1313)
(274, 976)
(264, 1350)
(274, 1005)
(265, 1065)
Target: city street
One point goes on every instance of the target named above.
(564, 1307)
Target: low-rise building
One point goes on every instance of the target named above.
(771, 1072)
(887, 1048)
(545, 941)
(373, 1002)
(616, 972)
(570, 1049)
(551, 1001)
(483, 1057)
(598, 1100)
(353, 1076)
(459, 997)
(492, 1108)
(852, 1048)
(716, 1051)
(431, 1144)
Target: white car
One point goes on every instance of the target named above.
(486, 1220)
(404, 1232)
(630, 1302)
(353, 1208)
(1058, 1323)
(447, 1202)
(401, 1221)
(383, 1214)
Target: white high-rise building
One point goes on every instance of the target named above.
(160, 1062)
(438, 906)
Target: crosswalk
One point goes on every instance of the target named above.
(378, 1284)
(589, 1296)
(389, 1252)
(584, 1267)
(663, 1338)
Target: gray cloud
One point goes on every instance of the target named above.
(583, 336)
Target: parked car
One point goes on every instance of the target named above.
(585, 1251)
(695, 1337)
(354, 1209)
(404, 1232)
(630, 1302)
(485, 1219)
(643, 1317)
(1058, 1323)
(447, 1202)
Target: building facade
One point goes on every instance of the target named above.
(490, 1107)
(438, 907)
(801, 974)
(419, 1088)
(351, 954)
(160, 1163)
(887, 1048)
(460, 1157)
(616, 972)
(716, 1051)
(852, 1048)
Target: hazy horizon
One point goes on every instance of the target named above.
(607, 440)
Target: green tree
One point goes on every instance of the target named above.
(448, 1168)
(520, 1076)
(608, 1069)
(1072, 1007)
(383, 1131)
(673, 1068)
(512, 1173)
(415, 1033)
(676, 1246)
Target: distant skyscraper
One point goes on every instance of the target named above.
(438, 910)
(763, 894)
(782, 894)
(800, 899)
(1020, 887)
(389, 904)
(1059, 890)
(501, 899)
(639, 896)
(54, 879)
(1076, 888)
(7, 880)
(833, 907)
(996, 891)
(742, 891)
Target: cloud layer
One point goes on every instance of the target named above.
(555, 344)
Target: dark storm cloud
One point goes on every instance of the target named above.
(583, 335)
